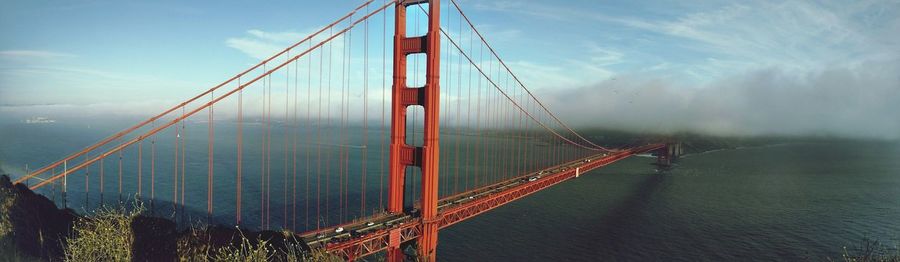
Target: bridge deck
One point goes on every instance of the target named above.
(373, 234)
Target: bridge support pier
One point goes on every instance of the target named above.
(403, 155)
(667, 155)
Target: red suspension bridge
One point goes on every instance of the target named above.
(359, 141)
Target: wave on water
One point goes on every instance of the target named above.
(740, 148)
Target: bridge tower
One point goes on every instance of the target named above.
(403, 155)
(668, 154)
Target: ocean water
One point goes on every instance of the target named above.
(319, 183)
(787, 202)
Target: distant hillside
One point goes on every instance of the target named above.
(695, 143)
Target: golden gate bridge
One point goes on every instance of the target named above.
(342, 132)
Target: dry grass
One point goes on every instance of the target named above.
(194, 247)
(104, 236)
(245, 252)
(871, 250)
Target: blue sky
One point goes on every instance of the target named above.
(84, 53)
(165, 45)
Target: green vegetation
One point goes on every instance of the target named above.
(7, 199)
(7, 245)
(107, 236)
(195, 247)
(870, 251)
(104, 236)
(245, 251)
(199, 245)
(29, 222)
(7, 240)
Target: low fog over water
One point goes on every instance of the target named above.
(857, 102)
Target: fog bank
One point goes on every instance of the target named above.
(861, 101)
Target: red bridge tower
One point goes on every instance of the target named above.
(403, 155)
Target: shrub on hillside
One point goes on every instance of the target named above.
(104, 236)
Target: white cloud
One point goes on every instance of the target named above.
(793, 35)
(749, 68)
(254, 47)
(600, 56)
(276, 36)
(39, 54)
(262, 44)
(526, 8)
(47, 77)
(31, 84)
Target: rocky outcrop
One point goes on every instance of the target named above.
(38, 228)
(154, 239)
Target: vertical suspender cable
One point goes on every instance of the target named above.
(345, 140)
(308, 136)
(87, 176)
(120, 177)
(175, 173)
(294, 154)
(342, 148)
(140, 167)
(365, 134)
(490, 113)
(152, 168)
(65, 183)
(327, 136)
(319, 141)
(183, 157)
(479, 153)
(240, 154)
(262, 163)
(102, 184)
(459, 125)
(469, 120)
(286, 142)
(383, 110)
(497, 137)
(269, 152)
(209, 177)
